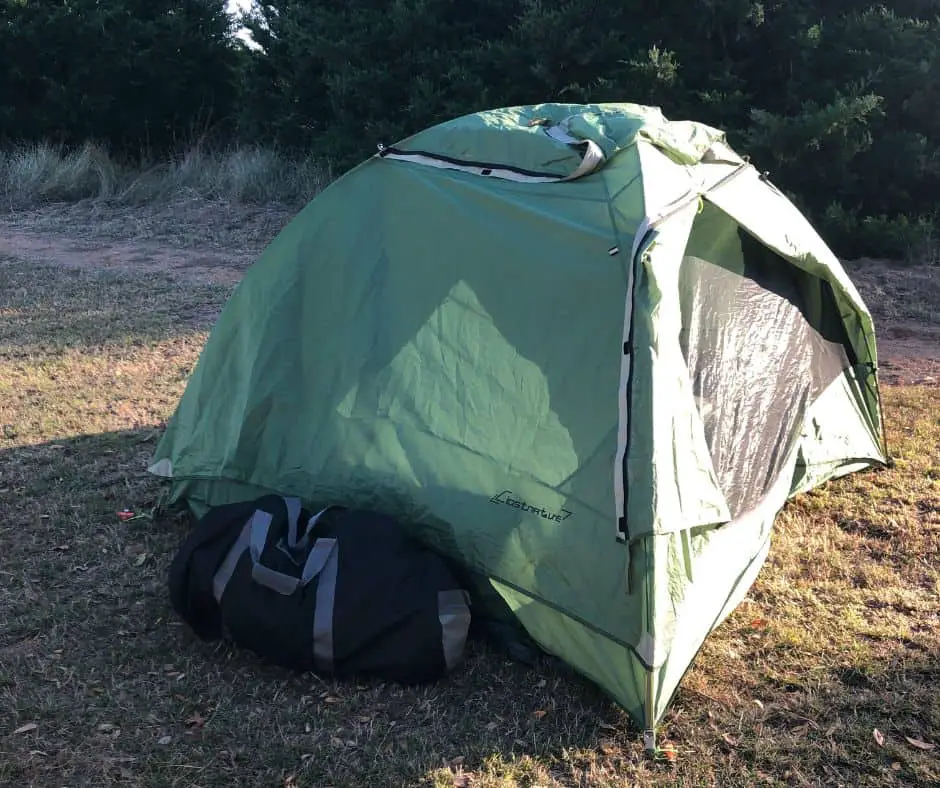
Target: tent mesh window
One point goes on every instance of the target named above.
(762, 339)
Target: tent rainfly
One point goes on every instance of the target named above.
(584, 351)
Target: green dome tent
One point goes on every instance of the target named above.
(587, 352)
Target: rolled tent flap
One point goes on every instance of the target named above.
(671, 484)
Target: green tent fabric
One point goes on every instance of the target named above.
(585, 351)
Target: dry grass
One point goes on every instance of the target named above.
(840, 636)
(38, 174)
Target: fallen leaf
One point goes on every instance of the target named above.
(491, 726)
(164, 740)
(758, 703)
(105, 727)
(140, 560)
(539, 713)
(896, 766)
(879, 737)
(196, 720)
(668, 752)
(29, 726)
(332, 699)
(729, 740)
(337, 742)
(607, 746)
(920, 745)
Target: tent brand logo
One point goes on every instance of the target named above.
(506, 498)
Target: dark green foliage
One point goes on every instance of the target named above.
(339, 77)
(839, 101)
(135, 74)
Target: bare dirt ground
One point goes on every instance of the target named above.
(191, 240)
(213, 243)
(910, 354)
(905, 303)
(204, 265)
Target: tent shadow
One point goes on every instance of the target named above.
(819, 724)
(83, 589)
(77, 584)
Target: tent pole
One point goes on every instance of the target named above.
(649, 735)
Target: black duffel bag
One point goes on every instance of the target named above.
(350, 595)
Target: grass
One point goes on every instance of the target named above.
(37, 174)
(839, 636)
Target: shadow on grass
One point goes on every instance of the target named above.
(121, 692)
(816, 725)
(47, 307)
(91, 652)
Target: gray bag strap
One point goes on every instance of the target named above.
(258, 526)
(311, 524)
(322, 561)
(254, 536)
(227, 568)
(323, 611)
(453, 611)
(293, 515)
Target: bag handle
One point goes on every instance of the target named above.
(293, 515)
(292, 542)
(258, 528)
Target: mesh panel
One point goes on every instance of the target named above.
(761, 339)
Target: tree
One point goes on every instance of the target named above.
(136, 74)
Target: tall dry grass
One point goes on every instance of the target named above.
(37, 174)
